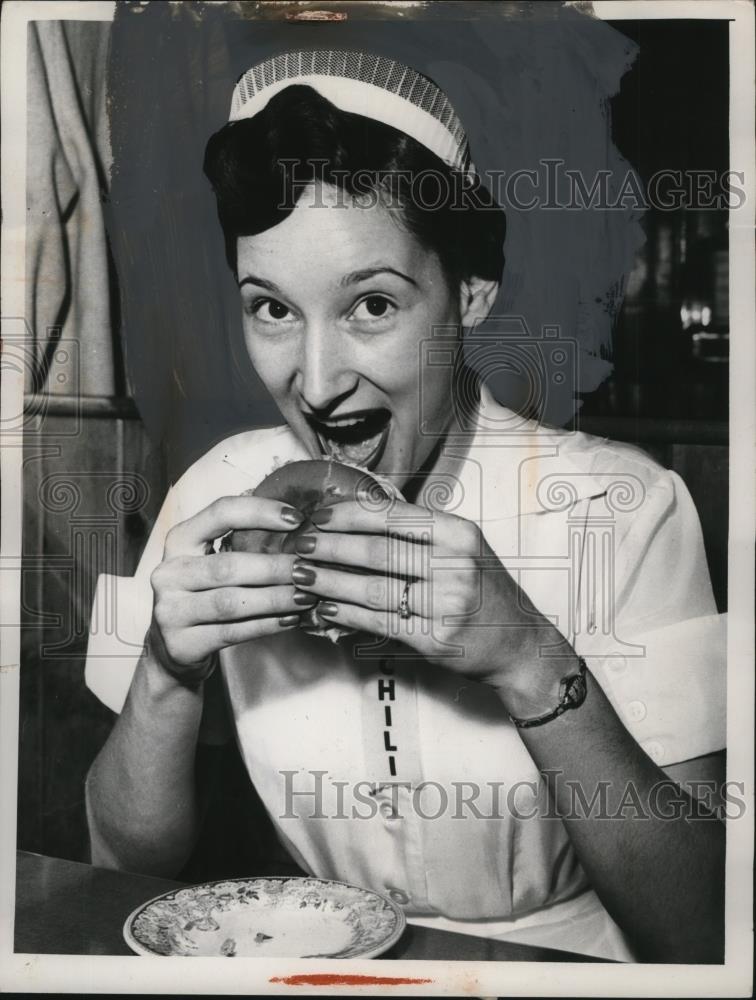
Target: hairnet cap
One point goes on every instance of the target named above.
(364, 84)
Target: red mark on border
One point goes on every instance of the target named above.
(335, 979)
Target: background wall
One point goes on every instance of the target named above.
(92, 489)
(119, 406)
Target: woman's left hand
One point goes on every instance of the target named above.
(466, 612)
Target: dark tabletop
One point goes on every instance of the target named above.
(67, 908)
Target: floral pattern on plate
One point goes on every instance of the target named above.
(266, 918)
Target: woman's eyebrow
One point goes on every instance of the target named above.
(370, 272)
(252, 279)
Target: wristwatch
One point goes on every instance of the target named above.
(572, 692)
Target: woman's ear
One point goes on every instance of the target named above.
(476, 299)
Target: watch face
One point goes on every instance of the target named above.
(576, 690)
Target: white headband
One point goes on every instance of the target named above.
(363, 84)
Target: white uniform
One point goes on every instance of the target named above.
(391, 773)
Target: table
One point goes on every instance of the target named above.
(67, 908)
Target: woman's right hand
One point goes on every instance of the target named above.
(205, 601)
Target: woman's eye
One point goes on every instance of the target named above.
(374, 307)
(269, 310)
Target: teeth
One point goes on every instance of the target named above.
(343, 423)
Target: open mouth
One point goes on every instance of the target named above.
(359, 439)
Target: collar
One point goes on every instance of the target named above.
(522, 466)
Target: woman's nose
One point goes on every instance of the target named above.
(325, 371)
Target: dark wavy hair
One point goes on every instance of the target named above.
(258, 168)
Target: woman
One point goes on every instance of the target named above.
(482, 668)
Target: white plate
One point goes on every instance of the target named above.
(266, 918)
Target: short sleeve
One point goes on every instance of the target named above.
(664, 666)
(121, 615)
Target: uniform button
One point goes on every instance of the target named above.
(398, 896)
(618, 664)
(636, 711)
(388, 812)
(653, 748)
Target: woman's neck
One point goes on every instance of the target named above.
(443, 463)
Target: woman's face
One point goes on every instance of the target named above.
(338, 301)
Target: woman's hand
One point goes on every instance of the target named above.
(467, 613)
(205, 601)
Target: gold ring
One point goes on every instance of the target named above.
(404, 611)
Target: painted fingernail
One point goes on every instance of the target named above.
(305, 545)
(300, 597)
(292, 516)
(288, 620)
(327, 609)
(303, 575)
(322, 516)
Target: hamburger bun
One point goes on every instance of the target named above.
(308, 486)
